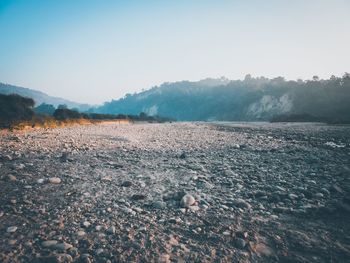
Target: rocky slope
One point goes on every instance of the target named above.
(191, 192)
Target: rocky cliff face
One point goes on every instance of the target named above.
(269, 106)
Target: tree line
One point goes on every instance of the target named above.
(15, 109)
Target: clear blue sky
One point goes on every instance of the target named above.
(93, 51)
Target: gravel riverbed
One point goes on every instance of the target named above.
(176, 192)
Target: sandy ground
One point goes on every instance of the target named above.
(176, 192)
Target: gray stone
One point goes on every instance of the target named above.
(240, 203)
(62, 246)
(159, 204)
(240, 243)
(111, 230)
(49, 243)
(11, 229)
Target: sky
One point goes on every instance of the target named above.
(92, 51)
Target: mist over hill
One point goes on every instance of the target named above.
(251, 99)
(40, 97)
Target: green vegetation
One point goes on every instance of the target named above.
(19, 112)
(251, 99)
(14, 108)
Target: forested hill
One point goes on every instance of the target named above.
(39, 97)
(251, 99)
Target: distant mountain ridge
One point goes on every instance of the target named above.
(251, 99)
(40, 97)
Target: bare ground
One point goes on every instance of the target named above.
(112, 193)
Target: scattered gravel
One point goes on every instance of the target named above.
(176, 192)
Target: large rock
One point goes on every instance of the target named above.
(187, 200)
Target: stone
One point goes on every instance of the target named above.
(86, 224)
(194, 208)
(240, 243)
(99, 251)
(12, 242)
(11, 177)
(64, 258)
(319, 195)
(240, 203)
(54, 180)
(187, 200)
(137, 197)
(62, 246)
(159, 204)
(292, 196)
(40, 181)
(111, 230)
(98, 228)
(49, 243)
(325, 191)
(85, 260)
(126, 184)
(11, 229)
(81, 233)
(64, 157)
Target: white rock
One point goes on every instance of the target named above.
(187, 200)
(86, 224)
(11, 229)
(40, 181)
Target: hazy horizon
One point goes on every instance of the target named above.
(95, 51)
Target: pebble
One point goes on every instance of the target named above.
(292, 196)
(226, 233)
(49, 243)
(40, 181)
(81, 233)
(62, 246)
(194, 208)
(99, 251)
(54, 180)
(98, 228)
(11, 229)
(86, 224)
(240, 243)
(111, 230)
(12, 242)
(137, 197)
(241, 203)
(319, 195)
(126, 184)
(159, 204)
(64, 258)
(325, 191)
(11, 177)
(187, 200)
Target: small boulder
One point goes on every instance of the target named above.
(187, 200)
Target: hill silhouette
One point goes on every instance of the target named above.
(251, 99)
